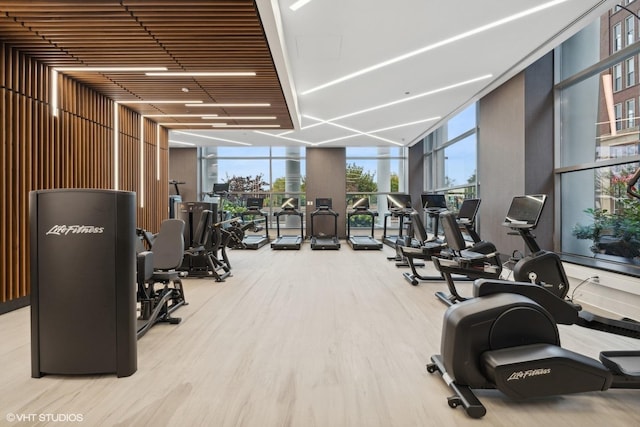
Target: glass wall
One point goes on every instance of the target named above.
(374, 172)
(450, 158)
(271, 173)
(598, 141)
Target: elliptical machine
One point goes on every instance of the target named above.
(507, 336)
(510, 342)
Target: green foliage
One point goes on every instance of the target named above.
(613, 233)
(395, 183)
(359, 180)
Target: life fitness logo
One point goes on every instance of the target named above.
(63, 230)
(521, 375)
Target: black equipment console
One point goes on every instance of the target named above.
(400, 206)
(323, 208)
(289, 208)
(361, 207)
(254, 209)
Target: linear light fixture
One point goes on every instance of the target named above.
(211, 137)
(141, 187)
(180, 115)
(54, 92)
(226, 105)
(436, 45)
(169, 124)
(182, 143)
(286, 138)
(158, 152)
(297, 5)
(250, 125)
(411, 98)
(215, 116)
(202, 74)
(111, 69)
(167, 101)
(405, 124)
(116, 151)
(350, 130)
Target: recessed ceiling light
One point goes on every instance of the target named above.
(297, 5)
(215, 116)
(258, 104)
(284, 137)
(202, 74)
(351, 130)
(137, 101)
(185, 89)
(171, 141)
(411, 98)
(436, 45)
(111, 69)
(210, 137)
(173, 115)
(251, 125)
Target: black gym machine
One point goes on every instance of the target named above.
(506, 336)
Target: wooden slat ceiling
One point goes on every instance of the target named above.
(181, 35)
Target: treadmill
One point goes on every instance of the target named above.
(254, 209)
(289, 207)
(323, 208)
(400, 207)
(361, 207)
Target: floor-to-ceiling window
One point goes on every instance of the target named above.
(450, 158)
(373, 172)
(271, 173)
(598, 147)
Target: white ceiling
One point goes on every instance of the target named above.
(458, 52)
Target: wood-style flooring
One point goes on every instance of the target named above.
(295, 338)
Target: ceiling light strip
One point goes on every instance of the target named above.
(297, 5)
(284, 137)
(110, 69)
(226, 105)
(202, 74)
(436, 45)
(190, 144)
(215, 117)
(162, 101)
(250, 125)
(211, 137)
(430, 119)
(411, 98)
(352, 130)
(180, 115)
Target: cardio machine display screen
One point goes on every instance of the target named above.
(254, 203)
(323, 203)
(399, 201)
(433, 201)
(290, 203)
(525, 210)
(469, 209)
(361, 203)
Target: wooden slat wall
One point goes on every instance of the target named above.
(74, 150)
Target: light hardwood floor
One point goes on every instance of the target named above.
(295, 338)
